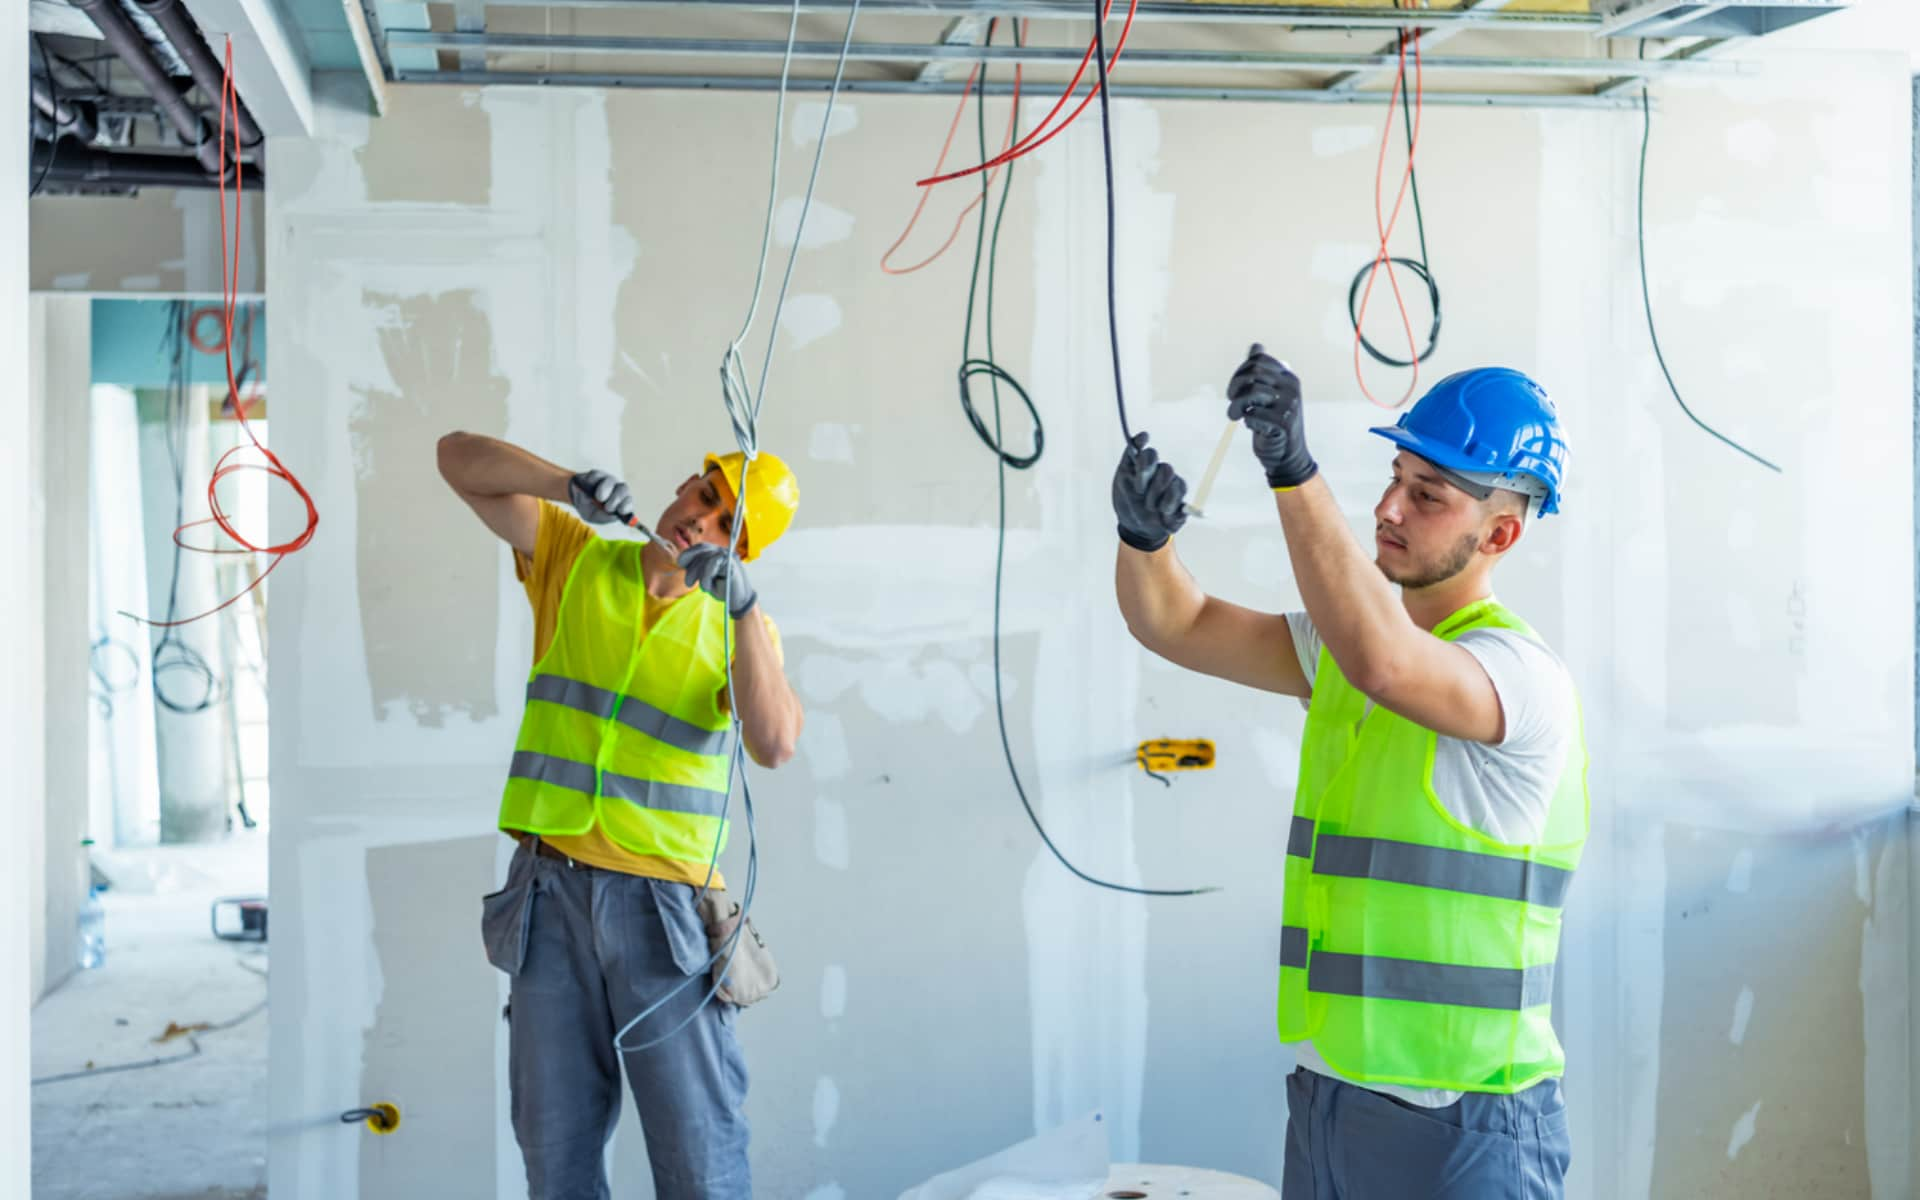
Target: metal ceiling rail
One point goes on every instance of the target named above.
(470, 44)
(1295, 15)
(755, 83)
(1427, 38)
(1696, 53)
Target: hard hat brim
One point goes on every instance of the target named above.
(1442, 455)
(1434, 452)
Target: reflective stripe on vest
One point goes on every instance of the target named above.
(579, 777)
(1431, 867)
(1300, 838)
(633, 713)
(1409, 979)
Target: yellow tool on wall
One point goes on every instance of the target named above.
(1167, 755)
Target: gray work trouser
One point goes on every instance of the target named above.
(1346, 1142)
(588, 950)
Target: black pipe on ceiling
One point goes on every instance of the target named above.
(85, 165)
(127, 43)
(192, 47)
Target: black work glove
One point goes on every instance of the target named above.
(1266, 395)
(600, 498)
(1148, 496)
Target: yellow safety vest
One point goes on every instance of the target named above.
(1416, 950)
(623, 727)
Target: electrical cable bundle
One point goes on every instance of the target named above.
(1013, 115)
(1422, 266)
(270, 463)
(996, 375)
(1041, 134)
(1384, 223)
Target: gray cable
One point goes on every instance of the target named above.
(743, 411)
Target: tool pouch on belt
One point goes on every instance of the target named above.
(752, 975)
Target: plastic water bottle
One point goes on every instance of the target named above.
(93, 931)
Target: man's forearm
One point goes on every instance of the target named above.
(484, 466)
(1158, 598)
(1356, 610)
(770, 713)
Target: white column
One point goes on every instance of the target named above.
(62, 363)
(22, 729)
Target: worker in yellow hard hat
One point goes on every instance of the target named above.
(617, 794)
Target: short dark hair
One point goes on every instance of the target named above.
(1506, 499)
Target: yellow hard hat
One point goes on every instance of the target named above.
(773, 495)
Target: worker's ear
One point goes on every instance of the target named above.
(1504, 534)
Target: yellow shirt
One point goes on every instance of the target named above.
(560, 539)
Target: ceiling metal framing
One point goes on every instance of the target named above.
(468, 52)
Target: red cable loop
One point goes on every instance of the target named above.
(230, 293)
(1384, 223)
(1028, 144)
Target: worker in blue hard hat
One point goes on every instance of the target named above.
(1442, 802)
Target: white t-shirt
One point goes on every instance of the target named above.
(1504, 790)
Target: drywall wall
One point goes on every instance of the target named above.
(62, 419)
(163, 241)
(948, 987)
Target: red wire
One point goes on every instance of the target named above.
(193, 329)
(926, 193)
(230, 298)
(1385, 223)
(1029, 144)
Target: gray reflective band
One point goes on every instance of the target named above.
(1300, 838)
(557, 689)
(1433, 867)
(1293, 946)
(560, 772)
(1430, 983)
(634, 714)
(579, 777)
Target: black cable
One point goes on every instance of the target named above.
(171, 655)
(995, 376)
(1646, 294)
(53, 143)
(969, 365)
(1106, 146)
(1421, 269)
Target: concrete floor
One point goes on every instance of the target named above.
(188, 1130)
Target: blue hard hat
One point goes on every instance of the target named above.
(1490, 421)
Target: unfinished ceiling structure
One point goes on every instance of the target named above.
(125, 92)
(1581, 53)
